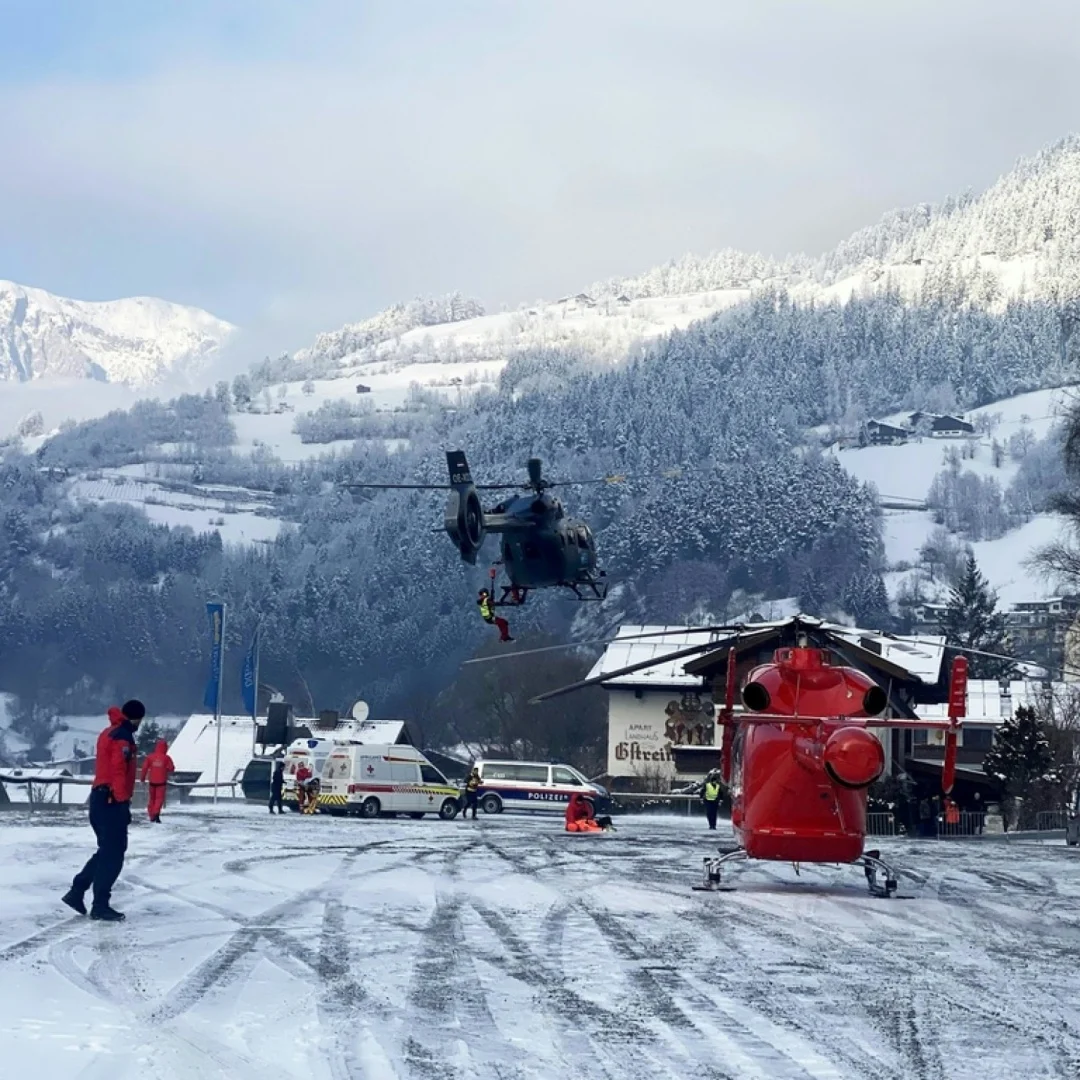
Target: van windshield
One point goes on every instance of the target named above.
(430, 775)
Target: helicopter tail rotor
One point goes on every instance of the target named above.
(464, 519)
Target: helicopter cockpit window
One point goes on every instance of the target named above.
(583, 538)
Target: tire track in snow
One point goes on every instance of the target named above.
(730, 1026)
(446, 991)
(608, 1039)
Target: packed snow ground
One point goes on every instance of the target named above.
(324, 948)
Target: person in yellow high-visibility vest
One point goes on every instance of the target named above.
(710, 795)
(487, 613)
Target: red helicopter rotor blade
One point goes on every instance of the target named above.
(728, 726)
(957, 711)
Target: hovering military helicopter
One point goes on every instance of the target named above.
(542, 548)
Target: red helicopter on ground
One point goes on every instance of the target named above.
(799, 757)
(799, 762)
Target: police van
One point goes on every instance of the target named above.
(370, 779)
(534, 785)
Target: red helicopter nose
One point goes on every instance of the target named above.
(853, 757)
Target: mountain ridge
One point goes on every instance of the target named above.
(138, 340)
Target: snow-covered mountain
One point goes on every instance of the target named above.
(1020, 239)
(138, 341)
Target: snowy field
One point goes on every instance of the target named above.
(324, 948)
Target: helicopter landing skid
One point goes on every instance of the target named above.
(512, 596)
(873, 865)
(597, 590)
(713, 879)
(871, 862)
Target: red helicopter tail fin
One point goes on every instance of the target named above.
(957, 711)
(727, 719)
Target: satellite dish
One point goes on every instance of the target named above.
(360, 711)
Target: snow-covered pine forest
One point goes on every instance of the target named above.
(357, 597)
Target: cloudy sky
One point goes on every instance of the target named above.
(291, 166)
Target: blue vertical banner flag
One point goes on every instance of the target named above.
(249, 676)
(212, 697)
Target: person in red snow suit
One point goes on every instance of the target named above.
(580, 816)
(303, 775)
(158, 767)
(110, 812)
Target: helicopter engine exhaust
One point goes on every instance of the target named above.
(755, 697)
(853, 758)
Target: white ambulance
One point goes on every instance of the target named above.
(370, 779)
(310, 752)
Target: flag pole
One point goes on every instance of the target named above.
(255, 694)
(217, 706)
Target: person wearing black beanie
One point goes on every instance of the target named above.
(110, 812)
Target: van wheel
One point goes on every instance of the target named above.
(370, 807)
(448, 810)
(417, 815)
(491, 804)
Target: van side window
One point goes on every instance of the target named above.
(512, 770)
(430, 775)
(563, 776)
(531, 774)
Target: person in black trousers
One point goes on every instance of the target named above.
(277, 783)
(710, 795)
(472, 794)
(110, 813)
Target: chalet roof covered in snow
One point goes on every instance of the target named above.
(194, 748)
(988, 702)
(668, 639)
(920, 657)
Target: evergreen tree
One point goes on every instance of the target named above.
(147, 736)
(242, 391)
(972, 621)
(1020, 756)
(811, 593)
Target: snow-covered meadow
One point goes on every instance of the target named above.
(325, 948)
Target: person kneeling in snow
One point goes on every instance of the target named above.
(581, 818)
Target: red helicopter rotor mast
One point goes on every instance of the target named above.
(727, 720)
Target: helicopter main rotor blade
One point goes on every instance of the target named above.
(605, 641)
(655, 661)
(617, 478)
(427, 487)
(398, 487)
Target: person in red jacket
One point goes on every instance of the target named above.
(580, 816)
(158, 767)
(303, 778)
(110, 812)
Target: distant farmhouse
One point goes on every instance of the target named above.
(938, 426)
(878, 433)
